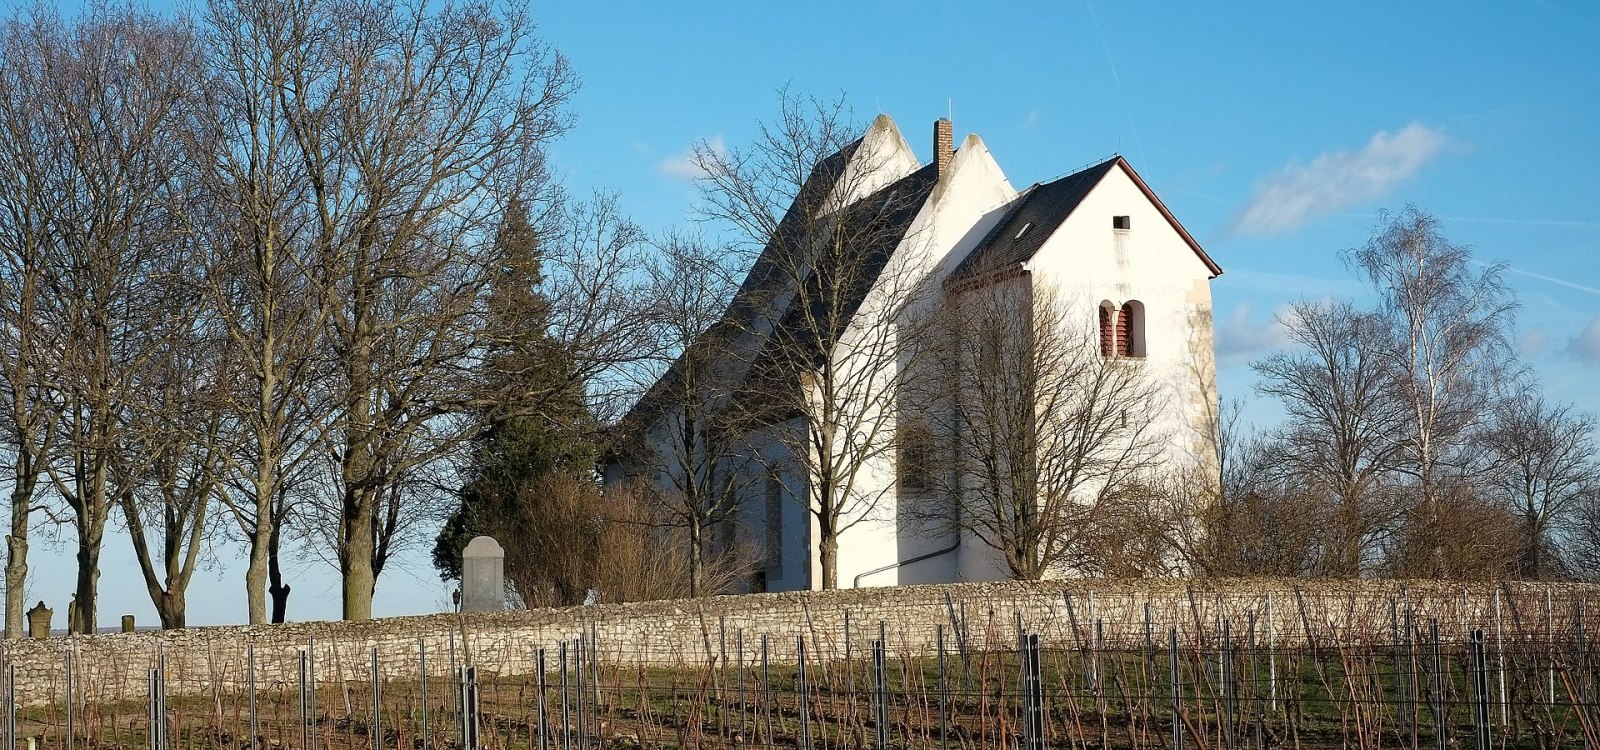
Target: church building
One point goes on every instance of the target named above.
(1097, 242)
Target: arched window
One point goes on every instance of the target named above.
(1130, 329)
(1108, 334)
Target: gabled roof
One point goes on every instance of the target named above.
(1033, 217)
(768, 275)
(765, 273)
(806, 333)
(1040, 210)
(887, 228)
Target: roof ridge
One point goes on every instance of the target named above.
(1057, 200)
(1080, 170)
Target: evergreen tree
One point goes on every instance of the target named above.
(533, 420)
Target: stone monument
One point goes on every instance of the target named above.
(39, 621)
(483, 576)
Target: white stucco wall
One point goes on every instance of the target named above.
(970, 197)
(1088, 261)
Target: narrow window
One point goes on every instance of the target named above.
(915, 457)
(774, 520)
(1023, 230)
(1122, 222)
(1130, 329)
(1108, 335)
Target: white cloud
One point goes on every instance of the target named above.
(1533, 343)
(1585, 346)
(683, 166)
(1242, 337)
(1338, 179)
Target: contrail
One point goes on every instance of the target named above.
(1528, 222)
(1562, 223)
(1117, 80)
(1554, 280)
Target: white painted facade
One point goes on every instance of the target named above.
(1153, 263)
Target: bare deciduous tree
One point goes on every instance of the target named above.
(118, 99)
(823, 308)
(594, 274)
(30, 186)
(1053, 442)
(1188, 504)
(271, 289)
(1345, 419)
(697, 448)
(414, 125)
(1539, 463)
(644, 556)
(171, 462)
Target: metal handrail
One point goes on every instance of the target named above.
(919, 558)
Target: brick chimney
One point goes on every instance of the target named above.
(944, 145)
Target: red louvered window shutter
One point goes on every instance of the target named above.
(1107, 336)
(1124, 341)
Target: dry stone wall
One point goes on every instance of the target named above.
(699, 632)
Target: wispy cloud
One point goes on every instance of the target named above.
(1585, 347)
(1242, 336)
(1533, 343)
(1031, 119)
(1336, 180)
(683, 166)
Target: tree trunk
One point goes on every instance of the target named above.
(1435, 535)
(830, 561)
(280, 603)
(84, 617)
(355, 564)
(17, 558)
(255, 579)
(266, 526)
(277, 588)
(170, 607)
(1348, 564)
(1532, 548)
(697, 562)
(1027, 566)
(16, 577)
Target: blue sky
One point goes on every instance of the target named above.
(1274, 132)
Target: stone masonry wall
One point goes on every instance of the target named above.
(697, 632)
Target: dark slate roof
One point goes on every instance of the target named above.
(885, 231)
(805, 334)
(766, 275)
(1041, 209)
